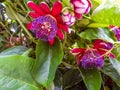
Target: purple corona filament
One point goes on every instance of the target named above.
(45, 27)
(92, 59)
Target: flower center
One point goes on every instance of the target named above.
(45, 27)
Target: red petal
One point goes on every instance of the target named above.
(60, 34)
(51, 42)
(57, 7)
(111, 26)
(44, 7)
(78, 16)
(80, 59)
(35, 7)
(59, 19)
(34, 14)
(111, 55)
(64, 27)
(103, 45)
(78, 50)
(28, 26)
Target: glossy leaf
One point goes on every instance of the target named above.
(70, 78)
(116, 52)
(95, 4)
(112, 69)
(107, 13)
(91, 78)
(51, 86)
(102, 33)
(58, 80)
(8, 83)
(47, 60)
(14, 50)
(16, 70)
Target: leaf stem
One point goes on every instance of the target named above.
(97, 25)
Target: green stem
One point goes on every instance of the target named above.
(5, 27)
(19, 21)
(97, 25)
(87, 17)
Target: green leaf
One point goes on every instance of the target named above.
(16, 69)
(47, 60)
(98, 1)
(95, 4)
(14, 50)
(112, 69)
(71, 78)
(58, 80)
(92, 78)
(8, 83)
(116, 52)
(51, 86)
(107, 13)
(102, 33)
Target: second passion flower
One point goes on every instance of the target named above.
(93, 57)
(47, 23)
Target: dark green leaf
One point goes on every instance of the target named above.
(58, 80)
(71, 78)
(16, 69)
(14, 50)
(47, 60)
(92, 78)
(2, 0)
(102, 33)
(107, 13)
(112, 69)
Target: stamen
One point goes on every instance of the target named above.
(45, 27)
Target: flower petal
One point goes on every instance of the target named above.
(116, 31)
(57, 7)
(78, 50)
(60, 34)
(80, 59)
(34, 14)
(102, 46)
(28, 26)
(78, 16)
(44, 7)
(59, 19)
(92, 58)
(111, 55)
(35, 7)
(51, 42)
(64, 27)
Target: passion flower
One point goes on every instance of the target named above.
(93, 57)
(47, 23)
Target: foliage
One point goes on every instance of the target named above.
(27, 63)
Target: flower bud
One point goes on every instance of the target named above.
(81, 6)
(68, 17)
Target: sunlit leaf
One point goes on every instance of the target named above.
(16, 70)
(101, 33)
(14, 50)
(107, 13)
